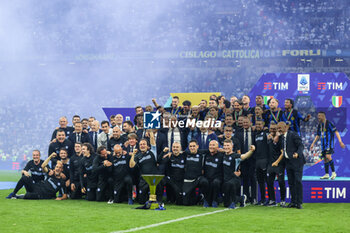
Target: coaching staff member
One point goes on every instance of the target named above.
(292, 151)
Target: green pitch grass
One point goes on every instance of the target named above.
(83, 216)
(10, 175)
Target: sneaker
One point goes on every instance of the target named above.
(21, 196)
(110, 201)
(333, 175)
(243, 200)
(130, 201)
(291, 205)
(201, 197)
(11, 195)
(205, 204)
(254, 202)
(214, 204)
(259, 203)
(266, 203)
(272, 204)
(283, 204)
(232, 206)
(326, 176)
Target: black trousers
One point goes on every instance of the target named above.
(261, 174)
(122, 184)
(213, 190)
(249, 179)
(272, 172)
(189, 188)
(143, 195)
(104, 189)
(33, 190)
(173, 189)
(77, 193)
(90, 189)
(295, 175)
(91, 194)
(28, 182)
(231, 189)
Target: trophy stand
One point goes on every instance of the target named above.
(153, 181)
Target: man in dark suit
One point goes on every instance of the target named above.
(173, 133)
(93, 133)
(204, 137)
(246, 138)
(292, 151)
(78, 135)
(161, 140)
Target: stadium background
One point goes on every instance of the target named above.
(62, 58)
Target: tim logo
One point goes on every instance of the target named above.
(329, 86)
(328, 193)
(275, 86)
(151, 120)
(303, 82)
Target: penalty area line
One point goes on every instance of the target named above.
(169, 221)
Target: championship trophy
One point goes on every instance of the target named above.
(153, 181)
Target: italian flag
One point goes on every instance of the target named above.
(337, 101)
(266, 98)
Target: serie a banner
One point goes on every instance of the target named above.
(327, 92)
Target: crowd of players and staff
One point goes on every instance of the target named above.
(254, 146)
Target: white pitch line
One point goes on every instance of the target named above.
(169, 221)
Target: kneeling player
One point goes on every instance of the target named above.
(232, 183)
(147, 163)
(193, 176)
(174, 166)
(213, 172)
(121, 175)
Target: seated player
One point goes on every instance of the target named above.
(32, 169)
(45, 189)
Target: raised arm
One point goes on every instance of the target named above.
(249, 153)
(46, 162)
(132, 162)
(155, 103)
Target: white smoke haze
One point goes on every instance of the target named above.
(64, 57)
(60, 58)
